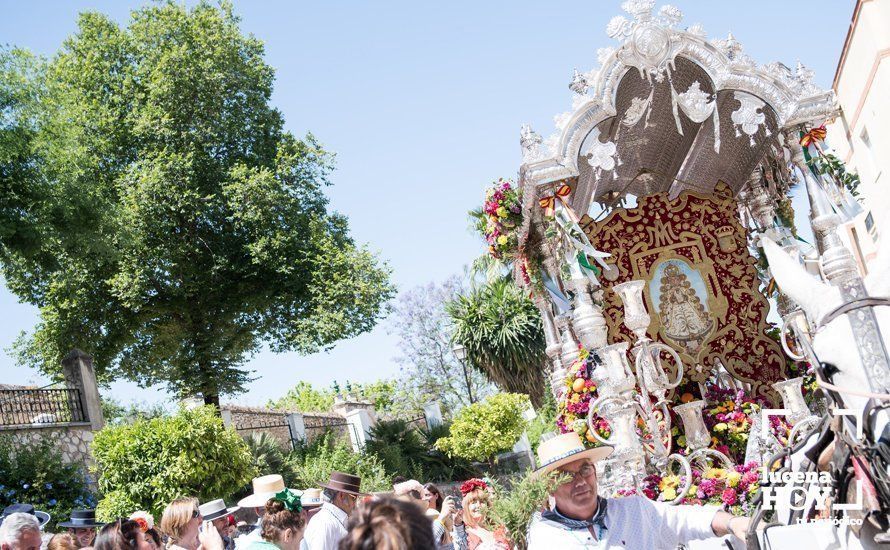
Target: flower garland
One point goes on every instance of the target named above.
(731, 488)
(503, 211)
(471, 485)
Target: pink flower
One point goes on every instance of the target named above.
(728, 497)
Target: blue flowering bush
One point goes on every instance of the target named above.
(35, 473)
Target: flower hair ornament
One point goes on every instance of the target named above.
(471, 485)
(290, 499)
(144, 520)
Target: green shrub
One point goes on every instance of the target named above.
(36, 474)
(147, 464)
(484, 429)
(312, 464)
(269, 456)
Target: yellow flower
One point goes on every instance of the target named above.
(502, 212)
(732, 478)
(719, 427)
(668, 482)
(502, 239)
(715, 473)
(669, 494)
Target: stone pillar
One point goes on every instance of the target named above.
(432, 412)
(297, 426)
(228, 420)
(360, 425)
(77, 368)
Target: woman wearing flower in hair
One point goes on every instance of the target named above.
(472, 530)
(283, 523)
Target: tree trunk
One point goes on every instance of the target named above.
(212, 399)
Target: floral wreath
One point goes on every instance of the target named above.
(143, 525)
(471, 485)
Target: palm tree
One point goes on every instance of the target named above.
(501, 330)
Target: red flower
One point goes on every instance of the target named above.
(728, 497)
(143, 525)
(471, 485)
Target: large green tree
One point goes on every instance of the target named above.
(156, 211)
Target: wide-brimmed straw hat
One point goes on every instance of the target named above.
(344, 483)
(565, 448)
(311, 498)
(42, 517)
(82, 519)
(264, 488)
(216, 509)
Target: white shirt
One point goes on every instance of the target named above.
(326, 528)
(631, 522)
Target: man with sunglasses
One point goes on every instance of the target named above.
(580, 518)
(327, 527)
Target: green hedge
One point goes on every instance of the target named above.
(147, 464)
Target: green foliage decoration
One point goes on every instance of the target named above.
(35, 472)
(147, 464)
(516, 501)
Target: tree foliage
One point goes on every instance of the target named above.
(429, 366)
(146, 464)
(514, 506)
(483, 429)
(501, 330)
(155, 210)
(390, 398)
(313, 462)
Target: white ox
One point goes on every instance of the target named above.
(832, 343)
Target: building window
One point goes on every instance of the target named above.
(872, 161)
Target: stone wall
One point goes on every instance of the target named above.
(283, 425)
(72, 440)
(32, 414)
(250, 420)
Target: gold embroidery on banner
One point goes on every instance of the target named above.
(702, 289)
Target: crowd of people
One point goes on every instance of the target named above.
(338, 516)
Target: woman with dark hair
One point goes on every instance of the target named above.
(123, 534)
(388, 524)
(283, 523)
(433, 496)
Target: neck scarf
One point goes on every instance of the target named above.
(598, 521)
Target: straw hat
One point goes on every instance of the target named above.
(264, 488)
(565, 448)
(311, 497)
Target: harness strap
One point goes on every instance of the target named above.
(843, 309)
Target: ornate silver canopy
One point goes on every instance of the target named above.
(668, 110)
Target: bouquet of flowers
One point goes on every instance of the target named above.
(503, 215)
(730, 421)
(731, 488)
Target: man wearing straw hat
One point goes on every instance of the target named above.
(580, 518)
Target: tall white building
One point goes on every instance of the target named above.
(861, 135)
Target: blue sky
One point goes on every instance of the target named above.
(422, 102)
